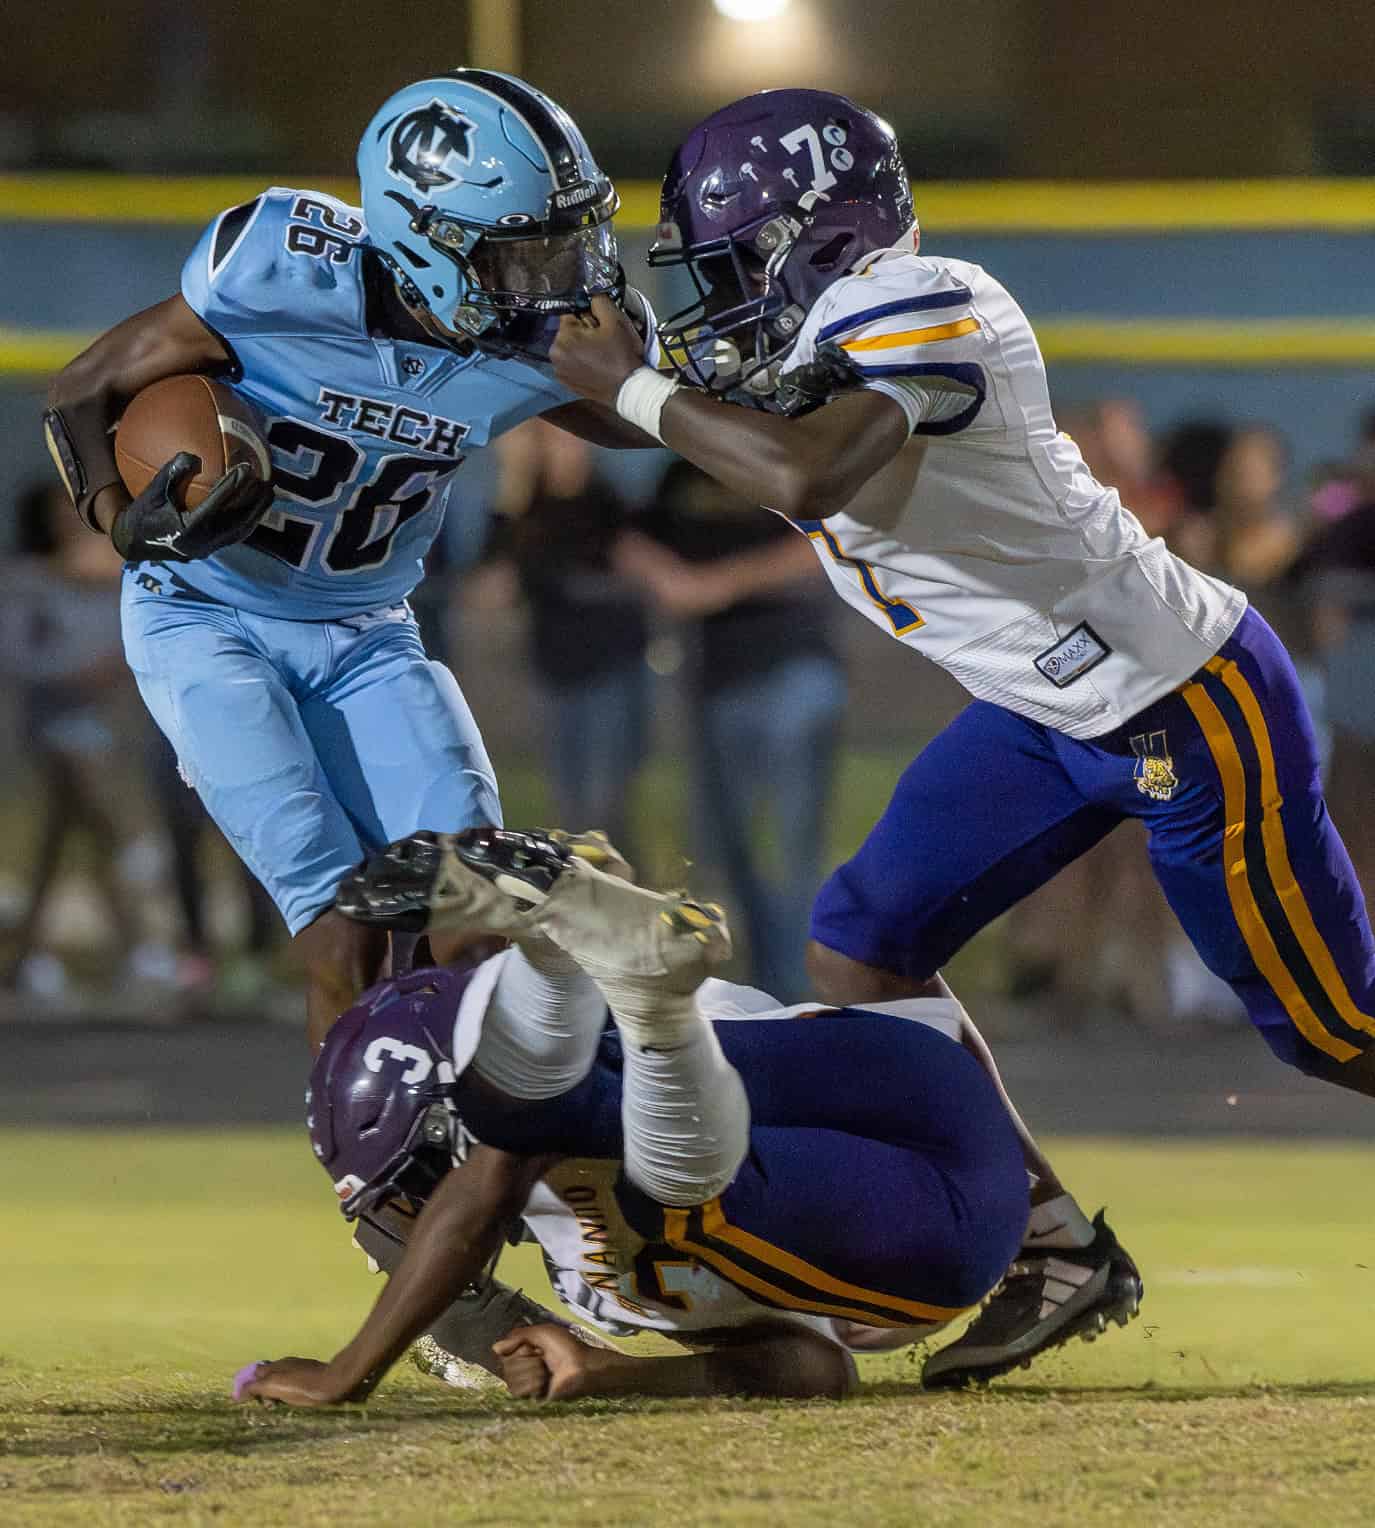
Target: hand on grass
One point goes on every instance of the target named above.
(299, 1382)
(548, 1363)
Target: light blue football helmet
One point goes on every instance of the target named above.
(485, 201)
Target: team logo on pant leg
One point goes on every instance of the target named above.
(1154, 772)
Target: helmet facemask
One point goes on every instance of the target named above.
(749, 310)
(437, 1142)
(516, 283)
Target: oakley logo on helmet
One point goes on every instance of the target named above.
(385, 1048)
(427, 146)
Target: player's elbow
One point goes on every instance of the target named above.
(806, 489)
(795, 1365)
(818, 1370)
(80, 381)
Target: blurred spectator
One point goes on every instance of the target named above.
(59, 636)
(1190, 457)
(1257, 536)
(243, 977)
(104, 772)
(1113, 439)
(1341, 578)
(588, 631)
(766, 699)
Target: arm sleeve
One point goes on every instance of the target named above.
(930, 403)
(924, 350)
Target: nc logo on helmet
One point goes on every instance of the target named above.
(427, 146)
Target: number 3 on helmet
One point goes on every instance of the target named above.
(485, 201)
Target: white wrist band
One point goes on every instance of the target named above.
(642, 397)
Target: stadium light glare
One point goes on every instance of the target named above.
(750, 10)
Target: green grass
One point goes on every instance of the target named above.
(140, 1269)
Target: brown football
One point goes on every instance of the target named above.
(188, 413)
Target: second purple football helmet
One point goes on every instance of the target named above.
(380, 1104)
(767, 203)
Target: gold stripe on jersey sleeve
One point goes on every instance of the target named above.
(927, 336)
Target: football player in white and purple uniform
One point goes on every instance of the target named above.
(897, 413)
(693, 1158)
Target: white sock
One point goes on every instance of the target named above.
(1058, 1222)
(543, 1021)
(685, 1116)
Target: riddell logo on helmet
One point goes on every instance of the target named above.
(349, 1185)
(587, 192)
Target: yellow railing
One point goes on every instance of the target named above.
(1008, 207)
(1014, 206)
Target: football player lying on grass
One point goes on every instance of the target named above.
(709, 1165)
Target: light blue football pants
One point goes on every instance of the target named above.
(311, 743)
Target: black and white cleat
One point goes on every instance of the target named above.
(486, 880)
(1048, 1297)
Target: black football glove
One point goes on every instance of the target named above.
(155, 527)
(818, 382)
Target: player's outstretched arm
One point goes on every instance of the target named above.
(89, 394)
(548, 1363)
(806, 467)
(600, 426)
(455, 1236)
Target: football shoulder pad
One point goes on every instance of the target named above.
(902, 314)
(287, 262)
(906, 326)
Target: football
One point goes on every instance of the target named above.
(188, 413)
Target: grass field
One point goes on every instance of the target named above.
(141, 1269)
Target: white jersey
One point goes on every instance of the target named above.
(1009, 565)
(605, 1271)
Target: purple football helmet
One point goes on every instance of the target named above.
(767, 203)
(380, 1104)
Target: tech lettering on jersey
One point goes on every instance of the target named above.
(407, 426)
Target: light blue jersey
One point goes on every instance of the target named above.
(365, 431)
(288, 671)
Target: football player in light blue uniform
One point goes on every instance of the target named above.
(270, 634)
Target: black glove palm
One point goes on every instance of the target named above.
(155, 527)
